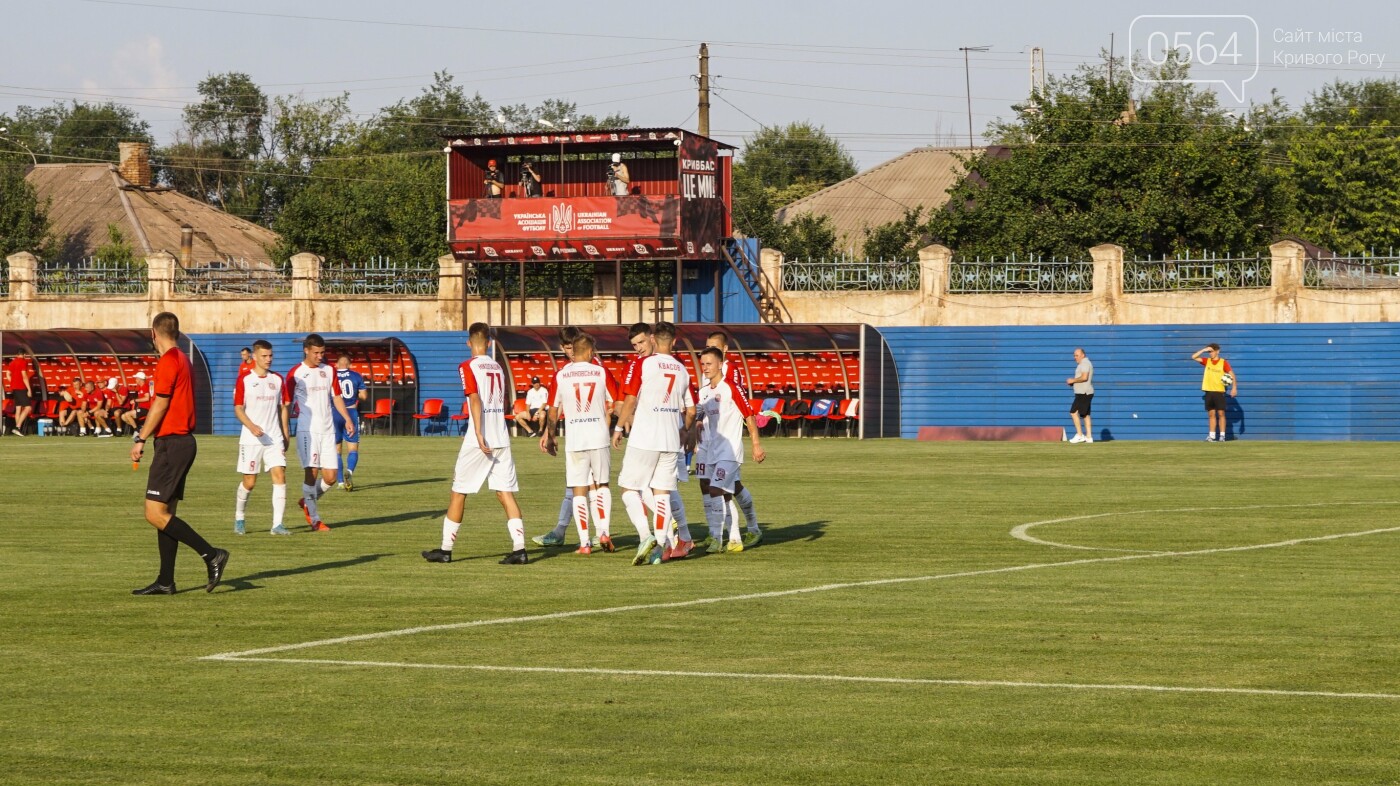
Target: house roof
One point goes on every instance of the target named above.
(85, 198)
(881, 194)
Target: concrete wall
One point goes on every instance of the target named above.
(305, 309)
(1285, 301)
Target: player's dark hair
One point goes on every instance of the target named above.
(721, 336)
(1214, 346)
(584, 341)
(479, 330)
(313, 340)
(262, 343)
(568, 334)
(639, 329)
(248, 350)
(664, 329)
(715, 352)
(166, 324)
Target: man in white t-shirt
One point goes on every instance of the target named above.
(581, 391)
(1083, 384)
(536, 408)
(484, 458)
(660, 413)
(723, 413)
(311, 390)
(259, 405)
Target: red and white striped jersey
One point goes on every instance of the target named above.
(310, 392)
(582, 392)
(261, 399)
(724, 408)
(485, 377)
(662, 387)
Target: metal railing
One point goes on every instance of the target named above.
(850, 275)
(233, 277)
(379, 276)
(1197, 273)
(1368, 271)
(92, 276)
(1032, 273)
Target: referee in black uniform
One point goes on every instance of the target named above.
(171, 421)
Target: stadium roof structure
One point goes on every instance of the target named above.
(85, 198)
(881, 194)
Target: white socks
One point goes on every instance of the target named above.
(309, 495)
(581, 519)
(678, 513)
(449, 533)
(240, 505)
(279, 503)
(662, 518)
(322, 486)
(602, 510)
(714, 516)
(632, 503)
(745, 500)
(732, 512)
(517, 534)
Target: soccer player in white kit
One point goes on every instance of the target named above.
(735, 374)
(660, 417)
(484, 457)
(312, 388)
(262, 445)
(581, 390)
(723, 413)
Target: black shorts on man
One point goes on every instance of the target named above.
(1082, 403)
(20, 397)
(1215, 400)
(174, 456)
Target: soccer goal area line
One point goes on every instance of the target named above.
(262, 655)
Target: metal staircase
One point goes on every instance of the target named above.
(759, 288)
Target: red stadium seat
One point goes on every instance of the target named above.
(794, 412)
(383, 408)
(820, 411)
(462, 418)
(432, 410)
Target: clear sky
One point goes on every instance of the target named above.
(883, 77)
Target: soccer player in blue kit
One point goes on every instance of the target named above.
(351, 385)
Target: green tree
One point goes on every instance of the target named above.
(1084, 166)
(76, 132)
(809, 236)
(898, 239)
(418, 124)
(1364, 103)
(24, 221)
(359, 208)
(216, 155)
(778, 166)
(117, 251)
(1345, 180)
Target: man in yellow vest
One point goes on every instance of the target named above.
(1218, 376)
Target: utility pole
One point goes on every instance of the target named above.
(967, 74)
(704, 108)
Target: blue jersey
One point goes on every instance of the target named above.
(350, 383)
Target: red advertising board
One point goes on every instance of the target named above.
(576, 228)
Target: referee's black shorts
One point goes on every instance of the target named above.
(174, 456)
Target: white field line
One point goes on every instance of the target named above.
(828, 678)
(245, 654)
(1022, 532)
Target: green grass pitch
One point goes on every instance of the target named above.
(1001, 665)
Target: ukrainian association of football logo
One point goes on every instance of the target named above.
(562, 217)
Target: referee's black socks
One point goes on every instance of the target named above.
(184, 533)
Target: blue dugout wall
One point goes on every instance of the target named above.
(1296, 382)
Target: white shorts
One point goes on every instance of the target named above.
(648, 469)
(475, 468)
(585, 467)
(723, 475)
(253, 459)
(317, 450)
